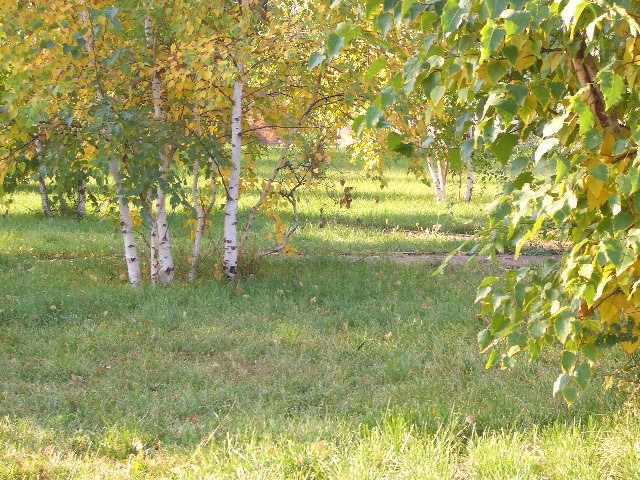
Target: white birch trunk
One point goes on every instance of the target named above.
(126, 224)
(44, 196)
(154, 266)
(197, 241)
(470, 179)
(437, 177)
(230, 259)
(82, 196)
(42, 184)
(126, 227)
(165, 253)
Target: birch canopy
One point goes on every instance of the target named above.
(563, 75)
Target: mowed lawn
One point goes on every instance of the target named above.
(310, 367)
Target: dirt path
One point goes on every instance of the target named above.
(405, 258)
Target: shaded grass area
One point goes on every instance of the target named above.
(293, 374)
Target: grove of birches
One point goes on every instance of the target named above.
(127, 110)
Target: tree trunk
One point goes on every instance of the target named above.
(230, 259)
(126, 224)
(438, 177)
(165, 254)
(126, 227)
(587, 71)
(42, 182)
(470, 179)
(154, 264)
(202, 213)
(44, 196)
(82, 196)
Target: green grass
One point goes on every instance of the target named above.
(293, 374)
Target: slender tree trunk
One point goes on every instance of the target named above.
(44, 196)
(165, 253)
(230, 259)
(439, 179)
(126, 224)
(202, 213)
(126, 227)
(82, 196)
(470, 179)
(42, 183)
(586, 70)
(154, 265)
(202, 221)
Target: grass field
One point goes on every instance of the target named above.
(313, 367)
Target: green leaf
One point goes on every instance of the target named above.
(373, 116)
(413, 68)
(385, 21)
(583, 374)
(426, 21)
(490, 39)
(538, 329)
(375, 68)
(334, 45)
(516, 23)
(387, 98)
(542, 94)
(562, 168)
(591, 352)
(315, 60)
(467, 148)
(437, 93)
(545, 146)
(612, 87)
(432, 81)
(572, 11)
(587, 118)
(553, 126)
(371, 7)
(601, 172)
(568, 361)
(503, 147)
(47, 44)
(560, 383)
(629, 183)
(492, 359)
(359, 124)
(455, 159)
(406, 6)
(496, 7)
(484, 339)
(496, 70)
(570, 394)
(452, 16)
(563, 328)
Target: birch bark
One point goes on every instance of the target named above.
(230, 258)
(161, 227)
